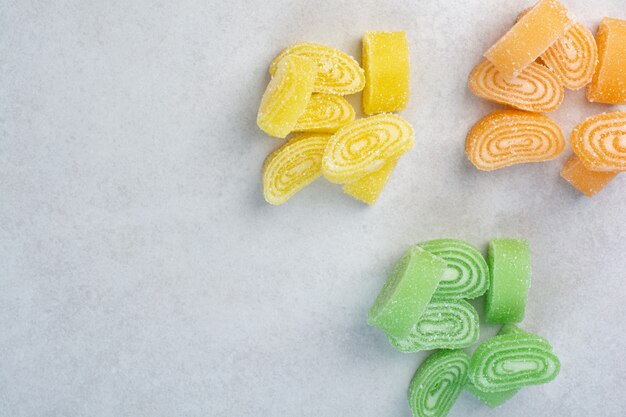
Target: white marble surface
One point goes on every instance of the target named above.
(142, 274)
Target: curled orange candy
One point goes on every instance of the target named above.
(535, 89)
(609, 81)
(293, 166)
(365, 146)
(338, 73)
(510, 137)
(325, 113)
(286, 96)
(600, 142)
(535, 31)
(586, 181)
(368, 188)
(573, 58)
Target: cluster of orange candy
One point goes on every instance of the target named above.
(528, 69)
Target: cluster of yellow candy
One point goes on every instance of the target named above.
(529, 69)
(305, 96)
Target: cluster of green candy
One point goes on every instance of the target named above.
(422, 306)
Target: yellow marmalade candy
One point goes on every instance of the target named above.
(364, 146)
(325, 113)
(293, 166)
(286, 96)
(387, 72)
(368, 188)
(338, 73)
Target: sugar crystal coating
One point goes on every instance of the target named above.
(325, 113)
(368, 188)
(584, 180)
(600, 142)
(609, 81)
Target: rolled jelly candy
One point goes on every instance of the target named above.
(443, 325)
(466, 276)
(407, 292)
(535, 32)
(293, 166)
(368, 188)
(365, 146)
(535, 89)
(586, 181)
(338, 73)
(325, 113)
(509, 137)
(438, 382)
(286, 96)
(609, 81)
(600, 142)
(387, 72)
(511, 361)
(509, 265)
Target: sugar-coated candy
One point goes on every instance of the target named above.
(387, 73)
(286, 96)
(535, 32)
(509, 137)
(338, 73)
(536, 88)
(584, 180)
(407, 292)
(438, 383)
(511, 361)
(509, 267)
(368, 188)
(600, 142)
(466, 276)
(609, 81)
(293, 166)
(325, 113)
(365, 146)
(443, 325)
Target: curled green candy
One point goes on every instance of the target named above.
(407, 292)
(444, 325)
(466, 276)
(511, 361)
(438, 382)
(509, 264)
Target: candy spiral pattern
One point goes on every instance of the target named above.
(600, 142)
(325, 113)
(467, 275)
(338, 73)
(438, 382)
(511, 361)
(364, 146)
(510, 137)
(443, 325)
(535, 89)
(286, 96)
(293, 166)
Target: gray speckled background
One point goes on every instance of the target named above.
(142, 274)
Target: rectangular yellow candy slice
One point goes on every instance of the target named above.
(286, 96)
(609, 81)
(387, 72)
(546, 22)
(368, 188)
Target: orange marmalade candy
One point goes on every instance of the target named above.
(387, 72)
(368, 188)
(573, 58)
(325, 113)
(293, 166)
(535, 89)
(600, 142)
(587, 182)
(338, 73)
(609, 81)
(286, 96)
(510, 137)
(546, 22)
